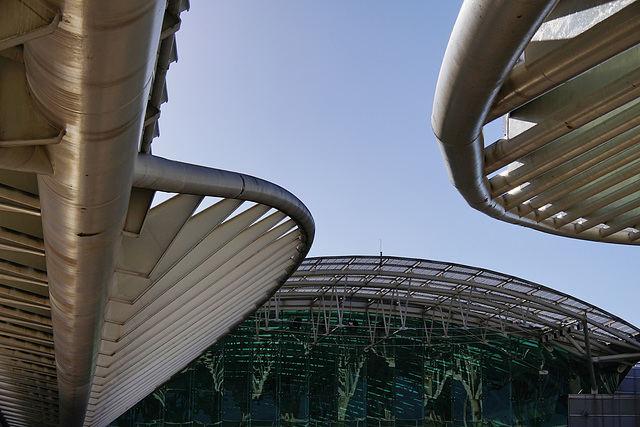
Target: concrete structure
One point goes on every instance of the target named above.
(565, 75)
(94, 285)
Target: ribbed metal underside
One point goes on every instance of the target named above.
(566, 77)
(28, 378)
(101, 297)
(183, 283)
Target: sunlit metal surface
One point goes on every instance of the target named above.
(566, 76)
(101, 298)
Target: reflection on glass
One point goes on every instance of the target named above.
(357, 371)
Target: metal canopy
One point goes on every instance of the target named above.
(455, 296)
(566, 77)
(102, 299)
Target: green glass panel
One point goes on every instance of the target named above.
(177, 407)
(351, 374)
(294, 390)
(496, 382)
(125, 420)
(263, 382)
(381, 382)
(320, 369)
(437, 384)
(323, 386)
(409, 387)
(466, 384)
(236, 386)
(208, 377)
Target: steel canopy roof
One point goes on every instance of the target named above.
(566, 77)
(462, 296)
(103, 298)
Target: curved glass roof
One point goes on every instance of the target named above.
(456, 296)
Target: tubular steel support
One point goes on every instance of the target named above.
(587, 346)
(176, 177)
(461, 141)
(558, 75)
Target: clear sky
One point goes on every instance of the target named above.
(332, 101)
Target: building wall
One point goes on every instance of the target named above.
(621, 409)
(300, 370)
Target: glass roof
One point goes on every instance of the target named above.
(456, 294)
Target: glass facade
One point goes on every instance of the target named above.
(358, 369)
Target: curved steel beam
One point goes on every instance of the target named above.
(571, 89)
(186, 279)
(460, 110)
(157, 173)
(91, 77)
(97, 78)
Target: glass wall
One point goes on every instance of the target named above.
(313, 369)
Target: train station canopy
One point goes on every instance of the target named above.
(565, 78)
(103, 298)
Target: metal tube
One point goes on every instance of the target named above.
(600, 180)
(565, 148)
(92, 78)
(605, 215)
(587, 346)
(171, 176)
(574, 173)
(469, 80)
(614, 357)
(593, 203)
(623, 221)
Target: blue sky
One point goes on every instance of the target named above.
(332, 101)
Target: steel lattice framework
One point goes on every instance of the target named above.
(566, 77)
(369, 339)
(454, 296)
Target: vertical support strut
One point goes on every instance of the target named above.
(587, 345)
(277, 306)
